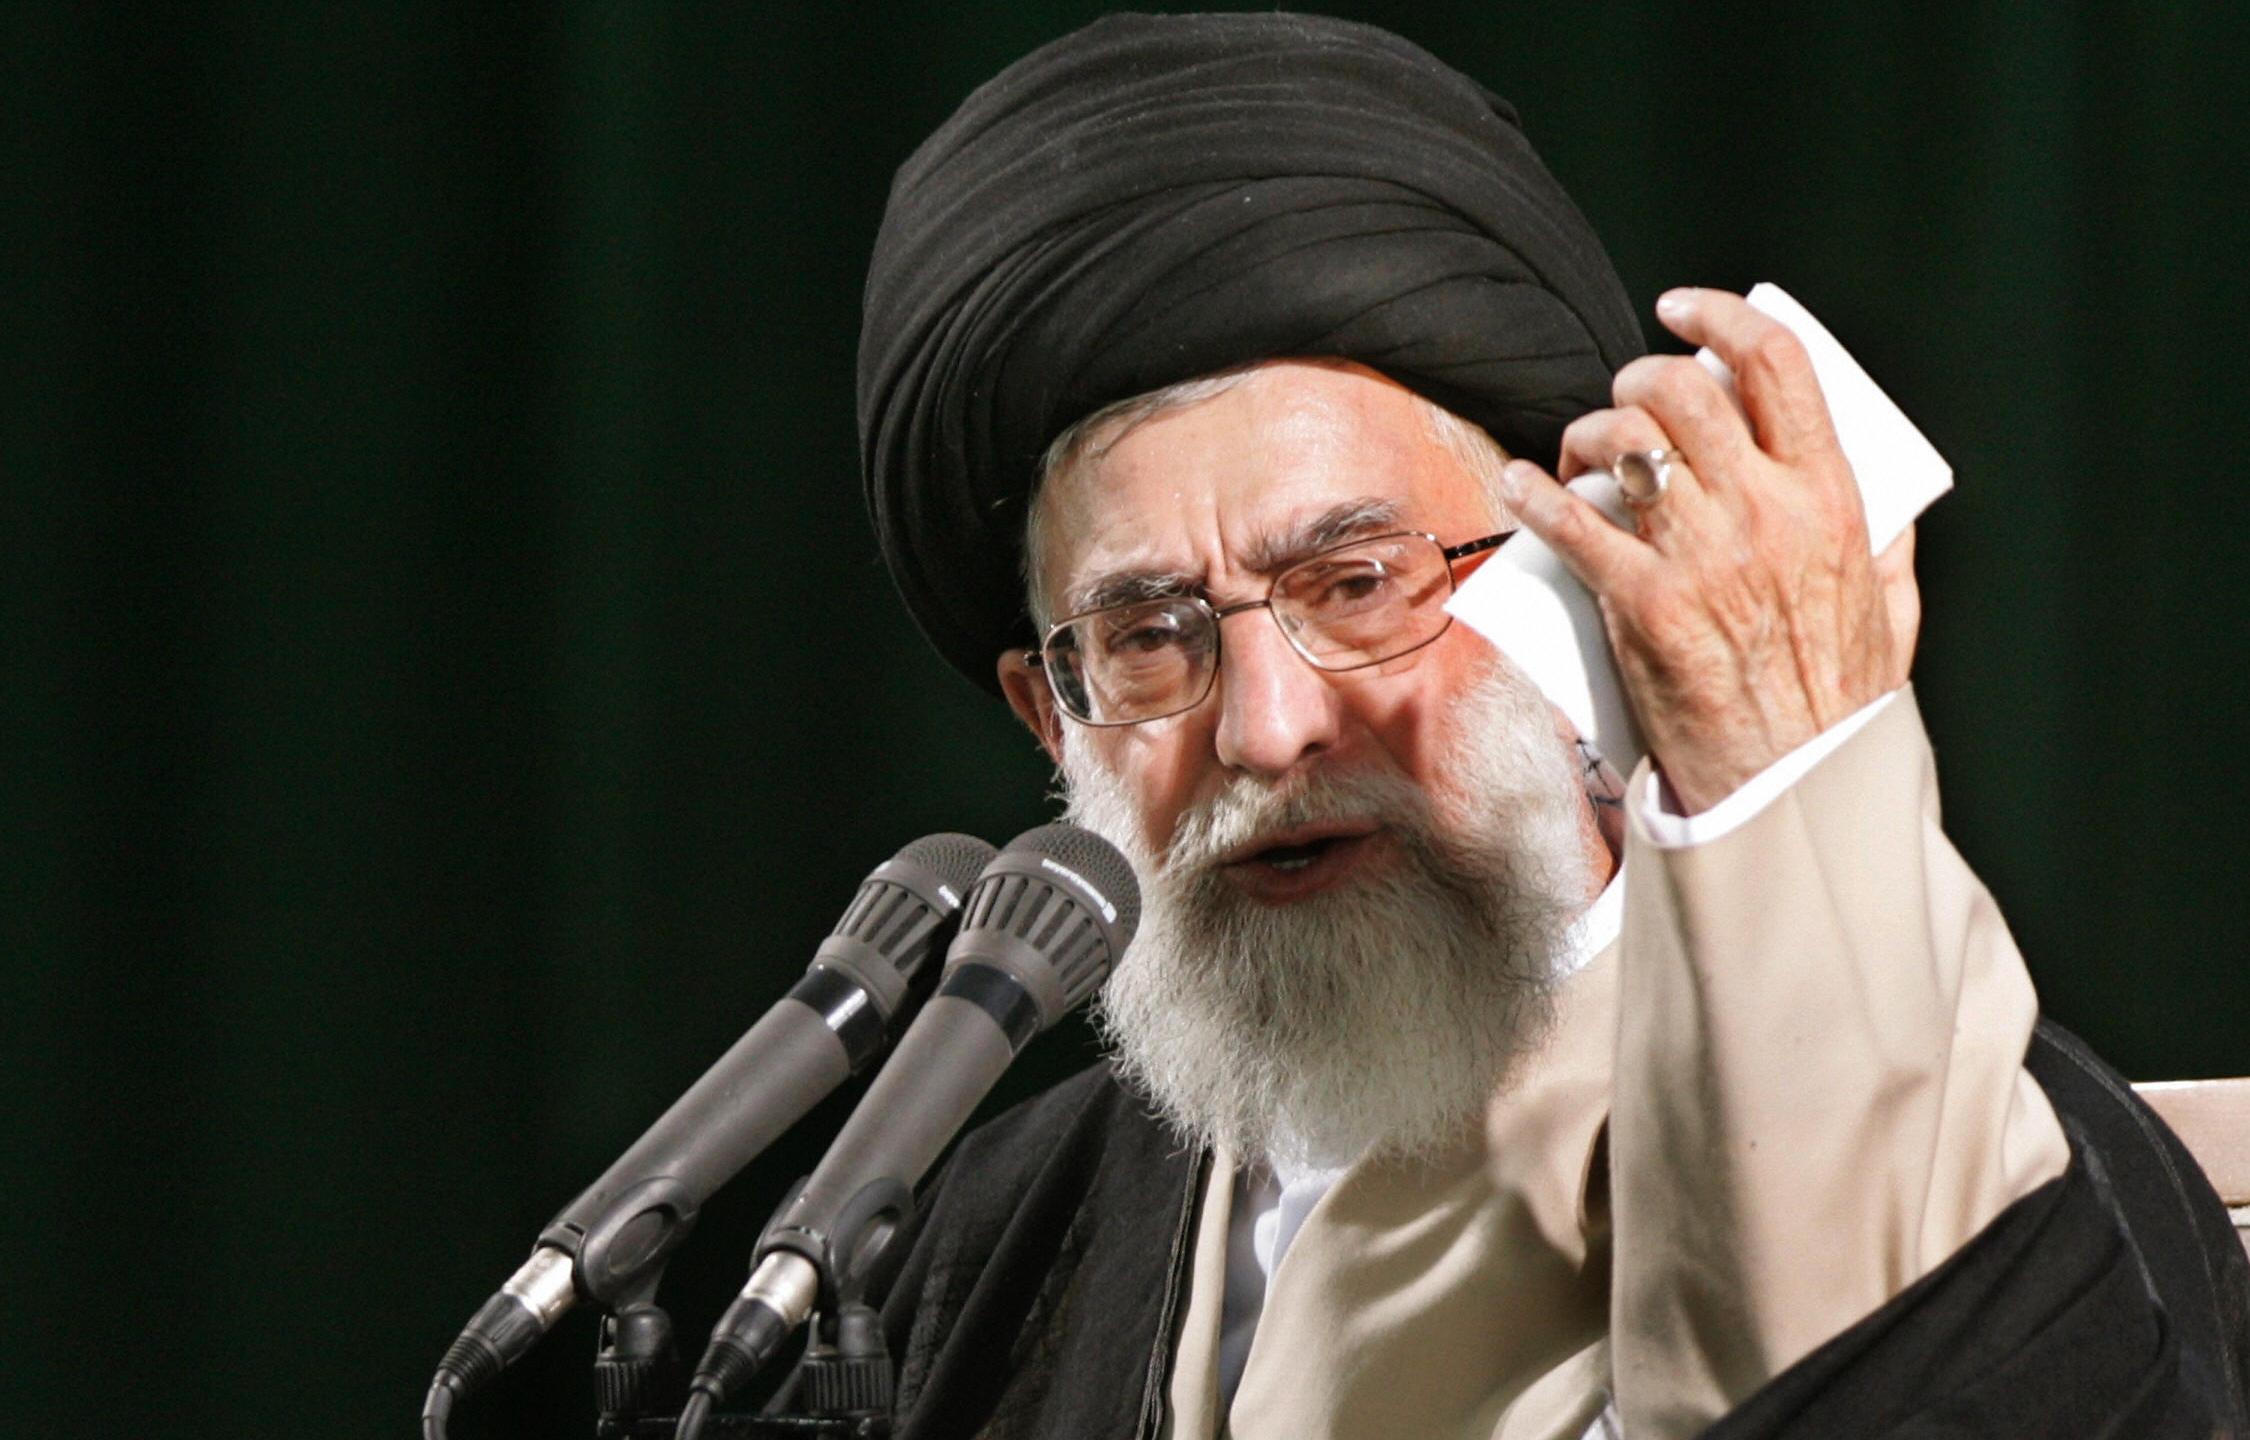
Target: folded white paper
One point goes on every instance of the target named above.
(1528, 604)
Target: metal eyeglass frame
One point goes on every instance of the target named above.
(1037, 659)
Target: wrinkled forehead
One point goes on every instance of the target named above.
(1238, 483)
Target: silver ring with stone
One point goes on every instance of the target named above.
(1643, 474)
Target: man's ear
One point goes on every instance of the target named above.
(1033, 700)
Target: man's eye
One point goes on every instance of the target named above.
(1349, 587)
(1145, 640)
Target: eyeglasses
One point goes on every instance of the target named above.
(1345, 608)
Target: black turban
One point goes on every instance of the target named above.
(1156, 197)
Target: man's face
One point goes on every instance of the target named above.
(1225, 492)
(1355, 883)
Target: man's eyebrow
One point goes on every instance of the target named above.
(1265, 554)
(1126, 587)
(1350, 520)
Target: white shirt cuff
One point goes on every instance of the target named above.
(1668, 829)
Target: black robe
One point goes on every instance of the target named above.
(1039, 1289)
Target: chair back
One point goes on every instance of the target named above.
(2212, 1117)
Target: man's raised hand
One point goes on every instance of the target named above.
(1746, 614)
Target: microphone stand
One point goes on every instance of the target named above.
(845, 1381)
(633, 1366)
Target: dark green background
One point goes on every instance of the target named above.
(449, 687)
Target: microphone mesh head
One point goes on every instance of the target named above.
(952, 857)
(902, 909)
(1103, 865)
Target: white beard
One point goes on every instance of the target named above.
(1380, 1016)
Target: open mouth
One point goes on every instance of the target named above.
(1287, 858)
(1301, 863)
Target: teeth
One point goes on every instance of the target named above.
(1298, 863)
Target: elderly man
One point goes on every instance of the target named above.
(1462, 1088)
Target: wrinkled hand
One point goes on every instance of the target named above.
(1746, 614)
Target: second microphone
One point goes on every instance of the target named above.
(1045, 921)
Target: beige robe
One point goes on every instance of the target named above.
(1792, 1087)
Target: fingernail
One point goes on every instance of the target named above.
(1673, 304)
(1513, 477)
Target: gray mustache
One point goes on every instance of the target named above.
(1249, 808)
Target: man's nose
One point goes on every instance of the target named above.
(1275, 710)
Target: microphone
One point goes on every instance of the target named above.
(1039, 932)
(612, 1240)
